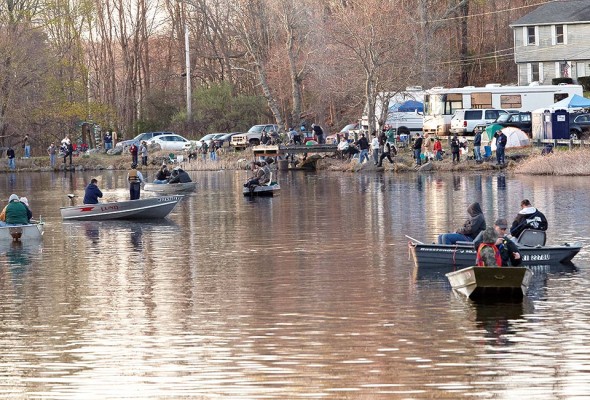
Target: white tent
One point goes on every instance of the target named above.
(514, 138)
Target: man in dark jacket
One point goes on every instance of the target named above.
(501, 141)
(319, 133)
(471, 228)
(417, 147)
(528, 218)
(363, 145)
(92, 192)
(477, 145)
(179, 176)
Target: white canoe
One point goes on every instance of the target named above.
(22, 232)
(148, 208)
(170, 188)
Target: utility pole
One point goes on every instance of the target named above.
(189, 111)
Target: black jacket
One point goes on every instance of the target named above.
(528, 218)
(363, 143)
(179, 176)
(417, 144)
(91, 194)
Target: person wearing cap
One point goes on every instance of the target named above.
(92, 192)
(15, 212)
(179, 176)
(135, 179)
(508, 249)
(528, 218)
(25, 201)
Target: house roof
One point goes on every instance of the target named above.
(560, 11)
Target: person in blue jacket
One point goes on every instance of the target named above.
(92, 192)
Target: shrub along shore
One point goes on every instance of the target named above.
(522, 160)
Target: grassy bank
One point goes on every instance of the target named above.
(523, 160)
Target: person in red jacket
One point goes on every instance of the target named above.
(133, 150)
(438, 153)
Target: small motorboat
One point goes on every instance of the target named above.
(463, 254)
(18, 233)
(148, 208)
(170, 188)
(491, 283)
(270, 189)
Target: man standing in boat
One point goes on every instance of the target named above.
(135, 179)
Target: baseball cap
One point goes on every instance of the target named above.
(501, 223)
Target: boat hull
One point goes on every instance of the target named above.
(148, 208)
(491, 283)
(462, 256)
(267, 190)
(170, 188)
(22, 232)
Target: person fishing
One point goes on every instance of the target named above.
(488, 254)
(179, 176)
(528, 218)
(470, 229)
(508, 249)
(135, 178)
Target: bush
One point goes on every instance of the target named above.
(585, 82)
(557, 81)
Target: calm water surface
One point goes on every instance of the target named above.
(307, 295)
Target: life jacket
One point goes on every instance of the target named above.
(133, 176)
(497, 256)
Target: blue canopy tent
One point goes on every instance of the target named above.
(576, 101)
(407, 106)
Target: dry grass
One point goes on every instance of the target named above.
(560, 162)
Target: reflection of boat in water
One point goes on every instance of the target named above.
(147, 208)
(491, 283)
(22, 232)
(170, 188)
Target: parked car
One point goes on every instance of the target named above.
(579, 125)
(254, 135)
(225, 139)
(465, 121)
(348, 131)
(125, 144)
(172, 142)
(518, 119)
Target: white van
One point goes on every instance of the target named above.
(465, 121)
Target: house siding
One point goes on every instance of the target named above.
(578, 37)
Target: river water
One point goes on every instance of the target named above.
(310, 294)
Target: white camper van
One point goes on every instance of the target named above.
(404, 110)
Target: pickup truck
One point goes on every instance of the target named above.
(254, 136)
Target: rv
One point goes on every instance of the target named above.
(440, 104)
(404, 111)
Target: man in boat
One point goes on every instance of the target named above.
(163, 174)
(503, 241)
(25, 201)
(528, 218)
(179, 176)
(92, 192)
(15, 212)
(471, 228)
(135, 179)
(260, 177)
(488, 253)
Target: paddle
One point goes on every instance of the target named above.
(414, 240)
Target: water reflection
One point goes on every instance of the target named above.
(309, 294)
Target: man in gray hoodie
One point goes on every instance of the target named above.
(470, 229)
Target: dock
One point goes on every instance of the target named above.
(289, 152)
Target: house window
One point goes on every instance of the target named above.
(510, 101)
(531, 37)
(559, 34)
(564, 69)
(535, 77)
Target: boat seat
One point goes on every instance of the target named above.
(270, 182)
(532, 238)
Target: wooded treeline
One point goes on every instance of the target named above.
(121, 63)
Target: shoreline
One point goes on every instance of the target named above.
(527, 160)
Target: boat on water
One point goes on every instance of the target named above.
(22, 232)
(170, 188)
(491, 283)
(463, 254)
(147, 208)
(272, 189)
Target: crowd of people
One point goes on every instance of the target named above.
(496, 246)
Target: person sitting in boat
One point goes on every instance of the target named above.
(25, 201)
(471, 228)
(179, 176)
(260, 176)
(135, 178)
(92, 192)
(163, 174)
(488, 254)
(508, 249)
(15, 212)
(528, 218)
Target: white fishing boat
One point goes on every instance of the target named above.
(170, 188)
(148, 208)
(22, 232)
(491, 283)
